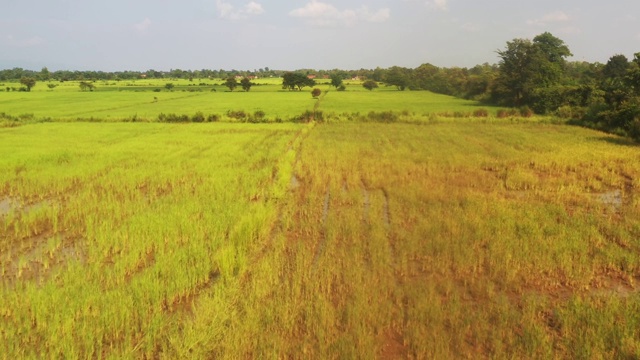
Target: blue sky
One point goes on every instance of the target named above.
(112, 35)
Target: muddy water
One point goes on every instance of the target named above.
(9, 204)
(614, 199)
(294, 183)
(611, 198)
(6, 205)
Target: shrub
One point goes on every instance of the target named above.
(341, 88)
(309, 116)
(238, 115)
(384, 116)
(259, 114)
(198, 117)
(316, 92)
(504, 113)
(213, 118)
(370, 85)
(173, 118)
(525, 111)
(481, 113)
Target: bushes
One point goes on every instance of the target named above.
(237, 114)
(481, 113)
(258, 116)
(526, 112)
(309, 116)
(183, 118)
(384, 116)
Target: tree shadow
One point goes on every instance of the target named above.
(621, 141)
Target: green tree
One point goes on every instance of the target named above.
(369, 85)
(616, 84)
(86, 86)
(246, 83)
(45, 74)
(231, 83)
(336, 80)
(52, 86)
(292, 81)
(398, 77)
(552, 47)
(527, 66)
(633, 74)
(169, 86)
(616, 68)
(29, 82)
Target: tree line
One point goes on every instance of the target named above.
(531, 73)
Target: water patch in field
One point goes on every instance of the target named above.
(612, 199)
(294, 183)
(6, 205)
(44, 255)
(10, 204)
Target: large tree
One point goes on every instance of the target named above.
(231, 83)
(292, 81)
(29, 82)
(526, 66)
(246, 83)
(336, 80)
(616, 68)
(398, 77)
(45, 74)
(552, 47)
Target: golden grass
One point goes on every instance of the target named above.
(445, 240)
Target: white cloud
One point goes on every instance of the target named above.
(228, 11)
(143, 26)
(23, 43)
(554, 17)
(470, 27)
(325, 14)
(439, 4)
(253, 8)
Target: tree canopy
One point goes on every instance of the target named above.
(231, 83)
(527, 65)
(295, 80)
(246, 83)
(28, 82)
(369, 85)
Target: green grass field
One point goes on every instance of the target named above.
(456, 239)
(128, 100)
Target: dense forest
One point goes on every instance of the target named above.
(531, 74)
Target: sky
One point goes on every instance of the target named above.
(117, 35)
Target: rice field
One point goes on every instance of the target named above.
(145, 100)
(457, 239)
